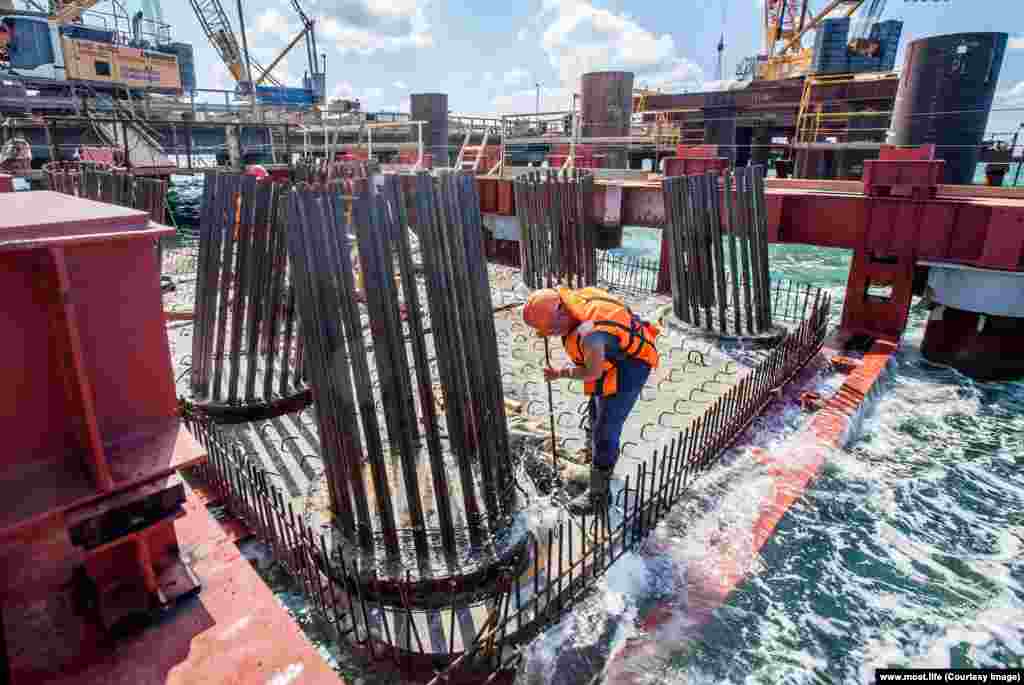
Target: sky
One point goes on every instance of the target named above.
(489, 55)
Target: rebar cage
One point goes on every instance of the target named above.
(247, 356)
(410, 405)
(718, 253)
(557, 241)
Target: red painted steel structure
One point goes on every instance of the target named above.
(92, 437)
(695, 159)
(888, 232)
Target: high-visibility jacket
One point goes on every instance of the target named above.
(597, 311)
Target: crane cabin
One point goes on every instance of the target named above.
(39, 52)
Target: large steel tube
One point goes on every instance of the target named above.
(945, 95)
(433, 109)
(607, 109)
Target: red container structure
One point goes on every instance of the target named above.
(90, 420)
(695, 159)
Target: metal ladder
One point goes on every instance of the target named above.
(477, 152)
(278, 145)
(462, 149)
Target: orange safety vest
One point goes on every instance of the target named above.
(606, 314)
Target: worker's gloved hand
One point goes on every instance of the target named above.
(554, 374)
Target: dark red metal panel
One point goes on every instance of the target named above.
(1004, 240)
(641, 206)
(914, 178)
(882, 317)
(506, 203)
(935, 230)
(684, 166)
(488, 194)
(967, 235)
(819, 219)
(895, 152)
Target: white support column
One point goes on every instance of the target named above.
(419, 144)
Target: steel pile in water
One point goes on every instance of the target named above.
(557, 241)
(246, 352)
(426, 498)
(719, 254)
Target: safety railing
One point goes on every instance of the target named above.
(629, 274)
(563, 562)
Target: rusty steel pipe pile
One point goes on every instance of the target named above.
(558, 244)
(246, 351)
(718, 246)
(411, 417)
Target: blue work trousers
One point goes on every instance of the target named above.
(608, 415)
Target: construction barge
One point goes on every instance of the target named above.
(385, 432)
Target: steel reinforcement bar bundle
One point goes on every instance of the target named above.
(719, 255)
(103, 184)
(558, 246)
(467, 493)
(247, 356)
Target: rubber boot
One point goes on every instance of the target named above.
(596, 496)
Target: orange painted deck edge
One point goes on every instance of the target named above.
(713, 578)
(234, 631)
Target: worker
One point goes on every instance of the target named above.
(613, 352)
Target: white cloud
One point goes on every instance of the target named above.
(578, 37)
(274, 23)
(400, 85)
(373, 92)
(366, 26)
(522, 34)
(343, 89)
(525, 101)
(403, 106)
(1016, 43)
(724, 84)
(264, 54)
(1013, 97)
(515, 77)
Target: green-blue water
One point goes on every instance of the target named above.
(908, 550)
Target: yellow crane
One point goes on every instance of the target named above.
(67, 11)
(787, 22)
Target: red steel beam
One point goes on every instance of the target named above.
(972, 225)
